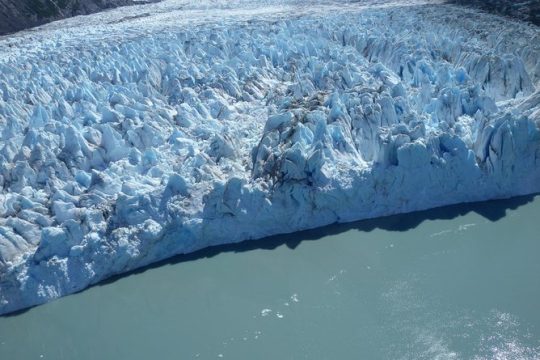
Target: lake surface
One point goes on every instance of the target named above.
(461, 282)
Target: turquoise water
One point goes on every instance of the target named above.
(455, 283)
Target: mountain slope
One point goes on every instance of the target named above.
(17, 15)
(528, 10)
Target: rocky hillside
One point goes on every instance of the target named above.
(528, 10)
(16, 15)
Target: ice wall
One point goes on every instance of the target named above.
(119, 153)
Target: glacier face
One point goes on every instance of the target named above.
(134, 135)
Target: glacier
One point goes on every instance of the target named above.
(137, 134)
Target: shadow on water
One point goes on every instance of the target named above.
(492, 210)
(18, 312)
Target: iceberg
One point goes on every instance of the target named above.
(134, 135)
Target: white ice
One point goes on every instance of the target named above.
(136, 134)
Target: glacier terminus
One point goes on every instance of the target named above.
(139, 133)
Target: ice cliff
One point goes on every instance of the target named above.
(134, 137)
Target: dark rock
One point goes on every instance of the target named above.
(527, 10)
(17, 15)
